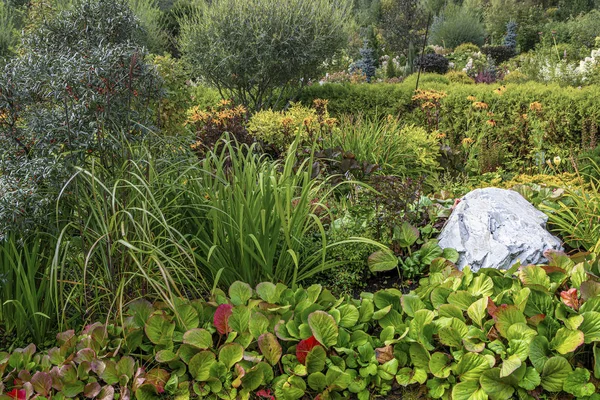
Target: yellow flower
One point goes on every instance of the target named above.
(500, 91)
(471, 98)
(467, 141)
(535, 106)
(491, 122)
(524, 116)
(557, 160)
(427, 104)
(480, 105)
(224, 102)
(441, 135)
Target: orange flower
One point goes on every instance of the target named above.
(491, 122)
(535, 106)
(480, 105)
(467, 141)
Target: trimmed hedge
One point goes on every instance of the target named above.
(568, 116)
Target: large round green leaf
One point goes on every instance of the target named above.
(566, 341)
(230, 354)
(539, 351)
(578, 383)
(200, 365)
(199, 338)
(468, 390)
(496, 387)
(591, 326)
(159, 330)
(555, 372)
(323, 328)
(239, 293)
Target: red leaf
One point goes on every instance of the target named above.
(536, 319)
(18, 394)
(304, 346)
(491, 308)
(570, 298)
(265, 393)
(221, 318)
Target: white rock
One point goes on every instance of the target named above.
(495, 228)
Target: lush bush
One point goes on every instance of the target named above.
(515, 77)
(150, 16)
(68, 99)
(27, 304)
(580, 31)
(7, 30)
(459, 77)
(564, 122)
(495, 333)
(432, 63)
(499, 54)
(466, 49)
(457, 25)
(406, 151)
(256, 50)
(277, 130)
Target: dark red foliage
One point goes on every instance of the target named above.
(221, 318)
(304, 346)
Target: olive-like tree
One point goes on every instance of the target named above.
(77, 90)
(259, 51)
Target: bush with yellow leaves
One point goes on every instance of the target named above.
(276, 130)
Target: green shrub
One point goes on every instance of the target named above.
(457, 25)
(7, 30)
(566, 116)
(150, 15)
(68, 99)
(277, 130)
(499, 54)
(495, 333)
(374, 100)
(515, 77)
(432, 63)
(260, 51)
(466, 49)
(406, 151)
(459, 77)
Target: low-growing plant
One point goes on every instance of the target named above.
(209, 125)
(396, 149)
(575, 216)
(497, 334)
(459, 77)
(27, 308)
(277, 130)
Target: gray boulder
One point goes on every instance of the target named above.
(495, 228)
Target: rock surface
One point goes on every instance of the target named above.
(495, 228)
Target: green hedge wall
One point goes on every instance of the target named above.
(569, 116)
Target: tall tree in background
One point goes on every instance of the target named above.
(402, 21)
